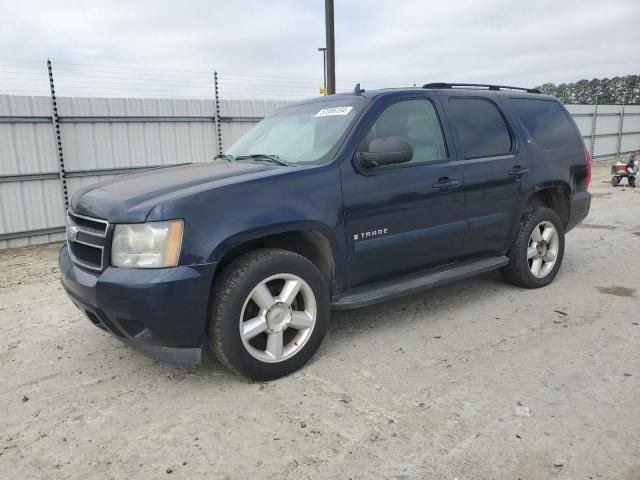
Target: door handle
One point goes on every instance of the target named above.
(517, 171)
(446, 184)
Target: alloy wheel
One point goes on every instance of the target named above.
(542, 251)
(278, 317)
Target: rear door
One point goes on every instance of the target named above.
(494, 169)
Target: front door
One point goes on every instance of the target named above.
(406, 217)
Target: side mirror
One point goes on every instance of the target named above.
(386, 151)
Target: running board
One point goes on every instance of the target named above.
(388, 290)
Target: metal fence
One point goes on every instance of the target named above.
(50, 147)
(41, 166)
(608, 130)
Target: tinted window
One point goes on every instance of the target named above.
(481, 128)
(547, 122)
(415, 121)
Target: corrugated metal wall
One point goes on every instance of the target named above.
(102, 137)
(29, 201)
(616, 128)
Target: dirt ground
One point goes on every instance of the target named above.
(474, 380)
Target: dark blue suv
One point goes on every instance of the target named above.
(335, 202)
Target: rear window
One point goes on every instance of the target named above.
(547, 122)
(481, 127)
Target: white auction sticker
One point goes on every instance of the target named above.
(327, 112)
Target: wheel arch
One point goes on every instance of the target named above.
(309, 239)
(555, 196)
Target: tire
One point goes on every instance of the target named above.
(615, 181)
(632, 182)
(521, 269)
(282, 346)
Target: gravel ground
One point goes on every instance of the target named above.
(473, 380)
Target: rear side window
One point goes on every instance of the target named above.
(547, 122)
(481, 128)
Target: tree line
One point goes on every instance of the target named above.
(605, 91)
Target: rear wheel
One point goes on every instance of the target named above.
(269, 313)
(536, 253)
(632, 182)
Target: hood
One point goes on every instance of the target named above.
(130, 198)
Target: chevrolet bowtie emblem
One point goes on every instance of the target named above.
(72, 233)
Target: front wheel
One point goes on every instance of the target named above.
(269, 313)
(615, 181)
(536, 253)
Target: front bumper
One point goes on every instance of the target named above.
(578, 208)
(160, 312)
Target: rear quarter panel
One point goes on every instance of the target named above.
(558, 167)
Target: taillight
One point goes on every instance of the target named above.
(587, 169)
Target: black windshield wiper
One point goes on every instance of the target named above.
(224, 156)
(262, 156)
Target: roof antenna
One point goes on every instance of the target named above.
(357, 90)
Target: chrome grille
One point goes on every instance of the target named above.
(92, 225)
(87, 239)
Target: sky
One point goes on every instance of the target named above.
(271, 46)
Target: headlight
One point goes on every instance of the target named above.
(147, 245)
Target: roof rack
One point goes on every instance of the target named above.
(479, 85)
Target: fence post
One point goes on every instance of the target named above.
(56, 126)
(593, 129)
(217, 99)
(620, 125)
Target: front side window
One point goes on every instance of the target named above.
(416, 121)
(481, 128)
(300, 134)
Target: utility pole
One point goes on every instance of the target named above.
(331, 47)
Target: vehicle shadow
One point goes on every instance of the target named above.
(427, 305)
(375, 320)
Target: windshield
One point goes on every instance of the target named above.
(299, 134)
